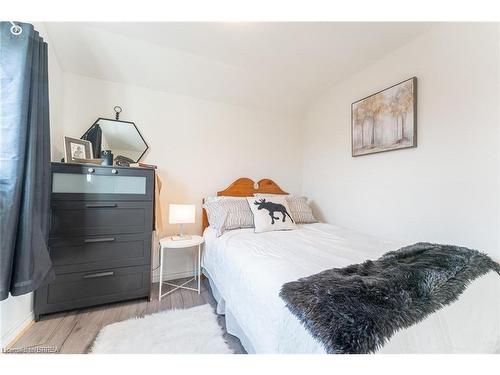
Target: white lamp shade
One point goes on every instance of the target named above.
(181, 213)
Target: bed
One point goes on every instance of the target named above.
(246, 272)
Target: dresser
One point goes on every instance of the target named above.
(100, 236)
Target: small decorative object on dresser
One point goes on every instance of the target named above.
(89, 161)
(107, 157)
(169, 243)
(75, 148)
(100, 236)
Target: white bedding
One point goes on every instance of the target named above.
(248, 270)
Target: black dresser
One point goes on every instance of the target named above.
(100, 236)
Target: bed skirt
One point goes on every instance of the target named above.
(232, 326)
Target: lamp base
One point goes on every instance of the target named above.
(180, 237)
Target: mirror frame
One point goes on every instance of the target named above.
(128, 122)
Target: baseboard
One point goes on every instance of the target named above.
(15, 333)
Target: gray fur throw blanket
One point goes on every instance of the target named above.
(357, 309)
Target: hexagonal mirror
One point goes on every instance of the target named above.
(122, 138)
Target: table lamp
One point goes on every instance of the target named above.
(181, 214)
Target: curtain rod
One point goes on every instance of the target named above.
(15, 29)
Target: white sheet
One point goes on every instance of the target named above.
(249, 269)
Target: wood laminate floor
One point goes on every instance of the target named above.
(74, 331)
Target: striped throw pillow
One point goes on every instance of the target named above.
(228, 214)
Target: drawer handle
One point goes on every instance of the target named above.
(92, 240)
(100, 274)
(101, 205)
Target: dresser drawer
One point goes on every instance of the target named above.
(92, 182)
(76, 290)
(78, 254)
(84, 218)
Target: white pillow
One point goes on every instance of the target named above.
(228, 214)
(299, 208)
(271, 213)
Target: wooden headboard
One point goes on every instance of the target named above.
(245, 187)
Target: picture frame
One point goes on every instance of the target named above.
(76, 149)
(386, 120)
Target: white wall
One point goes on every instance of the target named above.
(445, 190)
(17, 312)
(200, 146)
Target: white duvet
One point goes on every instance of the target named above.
(248, 270)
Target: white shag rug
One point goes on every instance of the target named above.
(190, 331)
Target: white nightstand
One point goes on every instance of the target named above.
(168, 243)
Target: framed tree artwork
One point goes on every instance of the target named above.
(386, 120)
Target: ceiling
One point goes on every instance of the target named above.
(277, 66)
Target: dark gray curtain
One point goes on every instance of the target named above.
(25, 161)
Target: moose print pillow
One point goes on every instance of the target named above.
(270, 213)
